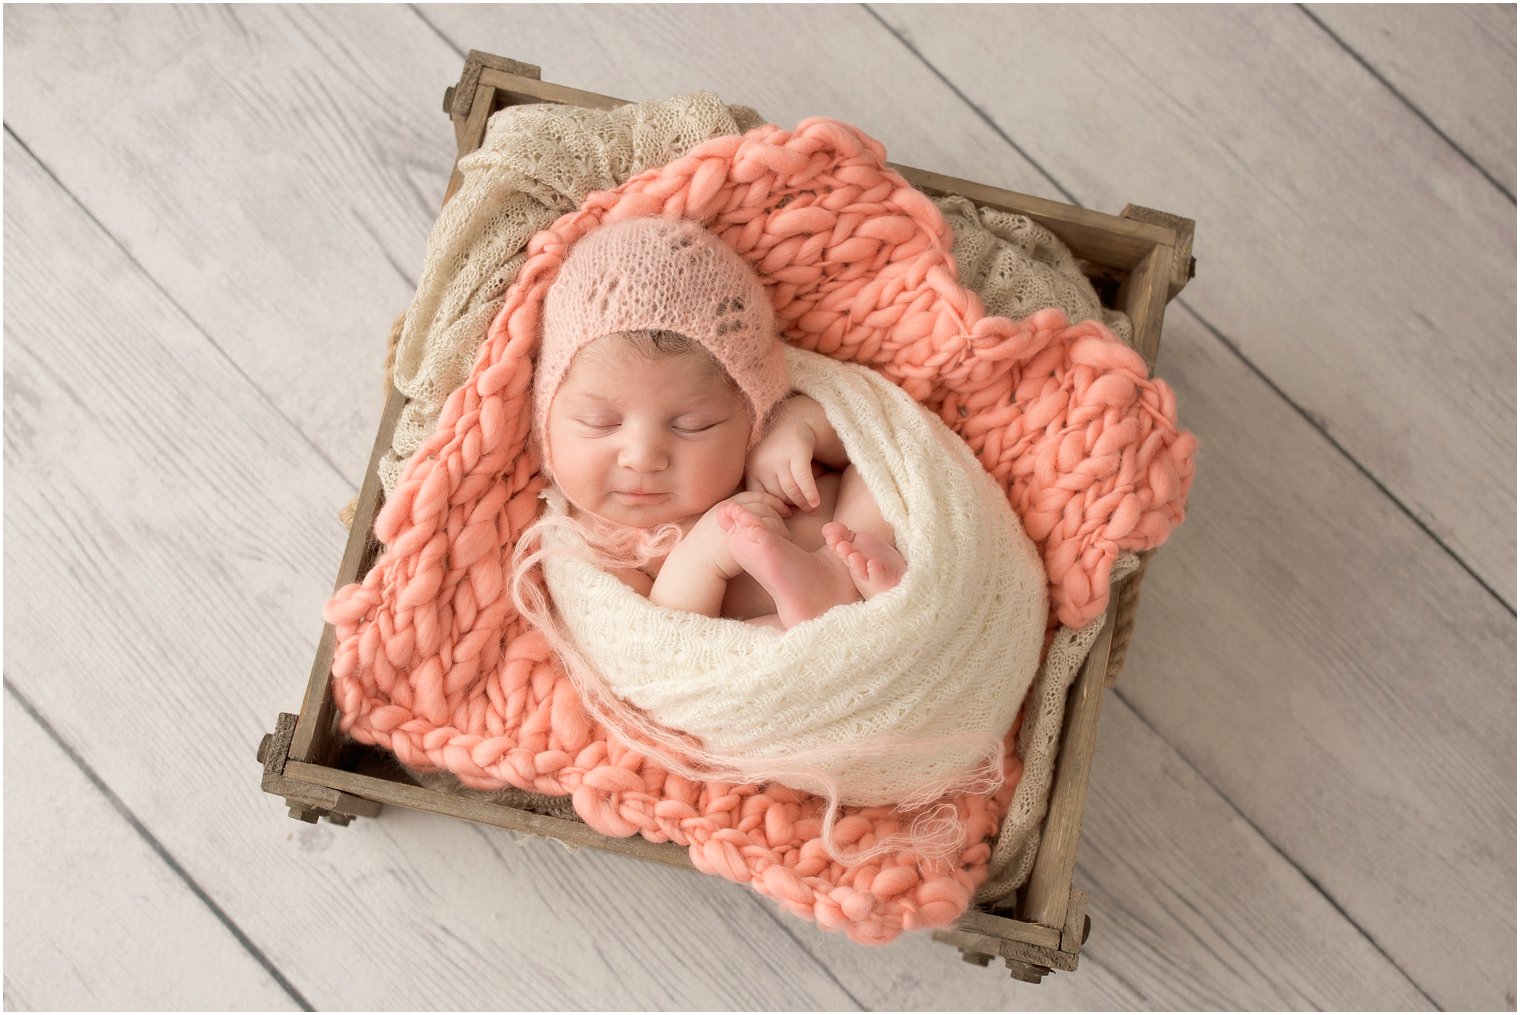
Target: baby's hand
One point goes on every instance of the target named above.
(782, 464)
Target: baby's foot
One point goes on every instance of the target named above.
(875, 565)
(803, 585)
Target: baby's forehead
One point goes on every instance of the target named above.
(608, 364)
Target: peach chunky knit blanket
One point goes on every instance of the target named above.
(433, 662)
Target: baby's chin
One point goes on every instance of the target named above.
(649, 515)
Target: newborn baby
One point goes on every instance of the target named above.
(661, 398)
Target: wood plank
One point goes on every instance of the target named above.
(1191, 910)
(94, 917)
(1047, 892)
(201, 562)
(1176, 878)
(1347, 250)
(305, 175)
(1455, 63)
(1337, 677)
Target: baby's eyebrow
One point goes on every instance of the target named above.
(590, 396)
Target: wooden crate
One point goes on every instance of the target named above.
(1138, 260)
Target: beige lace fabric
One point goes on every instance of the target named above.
(538, 162)
(1017, 266)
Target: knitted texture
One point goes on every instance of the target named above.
(661, 274)
(1017, 266)
(919, 702)
(432, 662)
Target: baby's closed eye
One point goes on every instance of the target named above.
(599, 424)
(694, 424)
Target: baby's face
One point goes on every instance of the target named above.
(642, 441)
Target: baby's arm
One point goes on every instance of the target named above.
(695, 575)
(782, 464)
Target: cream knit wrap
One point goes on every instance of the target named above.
(887, 699)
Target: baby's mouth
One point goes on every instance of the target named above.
(638, 496)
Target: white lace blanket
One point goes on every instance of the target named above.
(910, 690)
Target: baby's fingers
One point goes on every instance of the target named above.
(805, 492)
(760, 485)
(762, 499)
(790, 491)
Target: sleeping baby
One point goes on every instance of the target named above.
(697, 470)
(662, 400)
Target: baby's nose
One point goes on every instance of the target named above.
(643, 456)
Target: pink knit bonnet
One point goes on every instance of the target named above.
(662, 274)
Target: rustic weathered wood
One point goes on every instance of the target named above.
(576, 833)
(1143, 296)
(1114, 241)
(512, 90)
(458, 98)
(1184, 265)
(1127, 608)
(1025, 972)
(1046, 896)
(1091, 236)
(999, 928)
(1074, 934)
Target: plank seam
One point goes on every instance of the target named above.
(1323, 430)
(754, 898)
(1118, 692)
(436, 31)
(978, 110)
(781, 921)
(1427, 121)
(156, 846)
(147, 276)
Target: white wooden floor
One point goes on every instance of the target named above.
(1304, 795)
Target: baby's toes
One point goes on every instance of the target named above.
(749, 520)
(860, 566)
(740, 533)
(844, 548)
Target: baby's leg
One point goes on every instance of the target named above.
(802, 584)
(861, 538)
